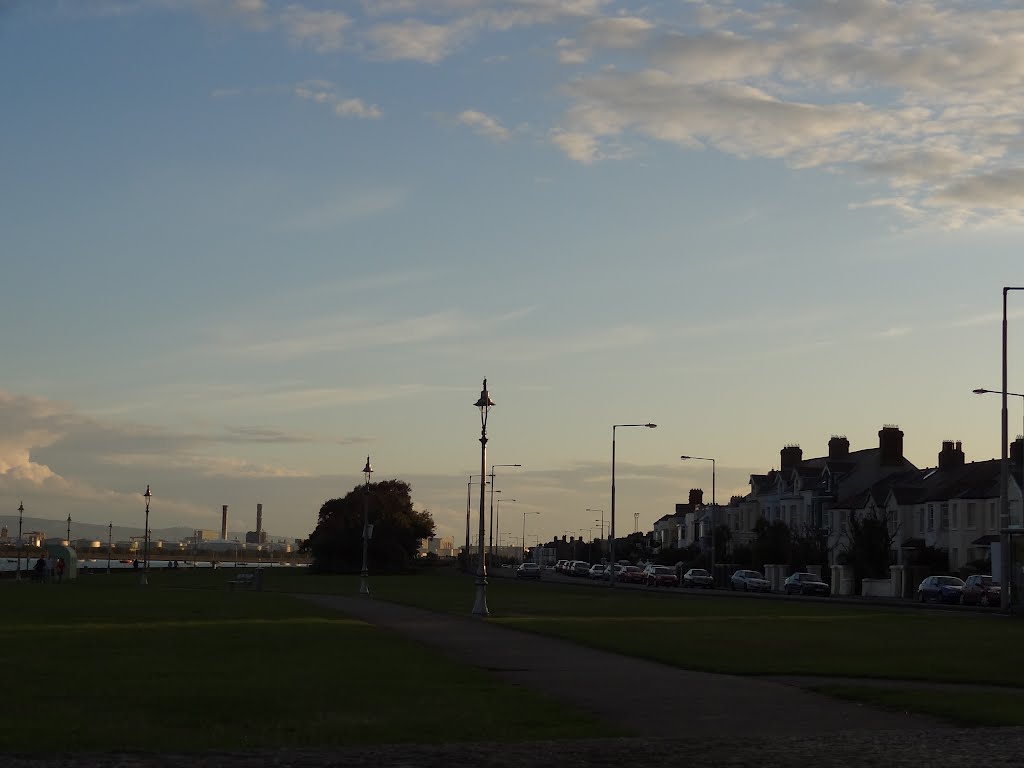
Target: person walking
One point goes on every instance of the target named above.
(39, 570)
(60, 569)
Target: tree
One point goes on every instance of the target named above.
(772, 544)
(398, 529)
(869, 549)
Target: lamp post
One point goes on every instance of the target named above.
(522, 543)
(144, 578)
(490, 548)
(484, 403)
(69, 530)
(21, 512)
(110, 540)
(364, 574)
(590, 543)
(611, 533)
(1004, 480)
(601, 521)
(496, 520)
(713, 504)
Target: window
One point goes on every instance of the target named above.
(944, 519)
(954, 558)
(955, 516)
(970, 521)
(931, 517)
(920, 520)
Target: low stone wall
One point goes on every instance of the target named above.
(876, 588)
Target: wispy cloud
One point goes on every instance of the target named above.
(346, 207)
(483, 124)
(325, 92)
(323, 31)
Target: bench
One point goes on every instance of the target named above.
(246, 579)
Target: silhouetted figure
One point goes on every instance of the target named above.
(135, 563)
(59, 569)
(39, 569)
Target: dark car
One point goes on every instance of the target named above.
(698, 577)
(660, 576)
(980, 590)
(528, 571)
(805, 584)
(579, 568)
(941, 589)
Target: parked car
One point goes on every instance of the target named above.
(749, 581)
(631, 574)
(660, 576)
(528, 571)
(598, 571)
(698, 577)
(805, 584)
(560, 566)
(941, 589)
(980, 590)
(579, 568)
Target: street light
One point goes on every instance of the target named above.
(703, 458)
(69, 529)
(21, 511)
(110, 540)
(497, 517)
(997, 392)
(601, 521)
(490, 547)
(522, 543)
(1004, 480)
(611, 535)
(364, 575)
(484, 403)
(145, 557)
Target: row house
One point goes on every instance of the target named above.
(682, 528)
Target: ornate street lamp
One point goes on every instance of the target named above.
(69, 530)
(364, 575)
(21, 512)
(611, 534)
(144, 579)
(484, 403)
(469, 493)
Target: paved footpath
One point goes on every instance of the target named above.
(645, 697)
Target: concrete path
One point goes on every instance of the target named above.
(644, 697)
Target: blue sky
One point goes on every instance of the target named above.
(246, 243)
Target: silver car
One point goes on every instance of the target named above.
(749, 581)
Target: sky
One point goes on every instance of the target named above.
(248, 243)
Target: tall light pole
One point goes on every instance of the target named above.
(497, 517)
(590, 543)
(1005, 573)
(490, 548)
(21, 512)
(611, 534)
(110, 540)
(484, 403)
(364, 575)
(523, 542)
(69, 529)
(145, 557)
(713, 504)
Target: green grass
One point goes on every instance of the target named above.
(960, 708)
(724, 634)
(102, 664)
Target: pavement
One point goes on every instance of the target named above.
(643, 697)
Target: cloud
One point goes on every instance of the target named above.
(320, 30)
(324, 92)
(415, 40)
(346, 207)
(483, 124)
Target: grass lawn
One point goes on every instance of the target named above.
(103, 664)
(974, 708)
(727, 634)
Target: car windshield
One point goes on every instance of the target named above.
(805, 577)
(698, 572)
(985, 581)
(631, 568)
(754, 575)
(951, 581)
(663, 570)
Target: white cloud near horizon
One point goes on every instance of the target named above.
(483, 124)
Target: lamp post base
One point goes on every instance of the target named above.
(480, 603)
(364, 583)
(143, 581)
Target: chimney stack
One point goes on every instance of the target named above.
(950, 457)
(696, 497)
(838, 447)
(890, 444)
(224, 522)
(789, 457)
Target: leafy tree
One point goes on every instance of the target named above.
(810, 547)
(869, 549)
(773, 541)
(723, 535)
(337, 543)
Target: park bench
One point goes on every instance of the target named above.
(246, 579)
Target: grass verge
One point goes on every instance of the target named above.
(961, 708)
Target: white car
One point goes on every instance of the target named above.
(749, 581)
(598, 571)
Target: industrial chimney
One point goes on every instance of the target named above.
(259, 523)
(224, 522)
